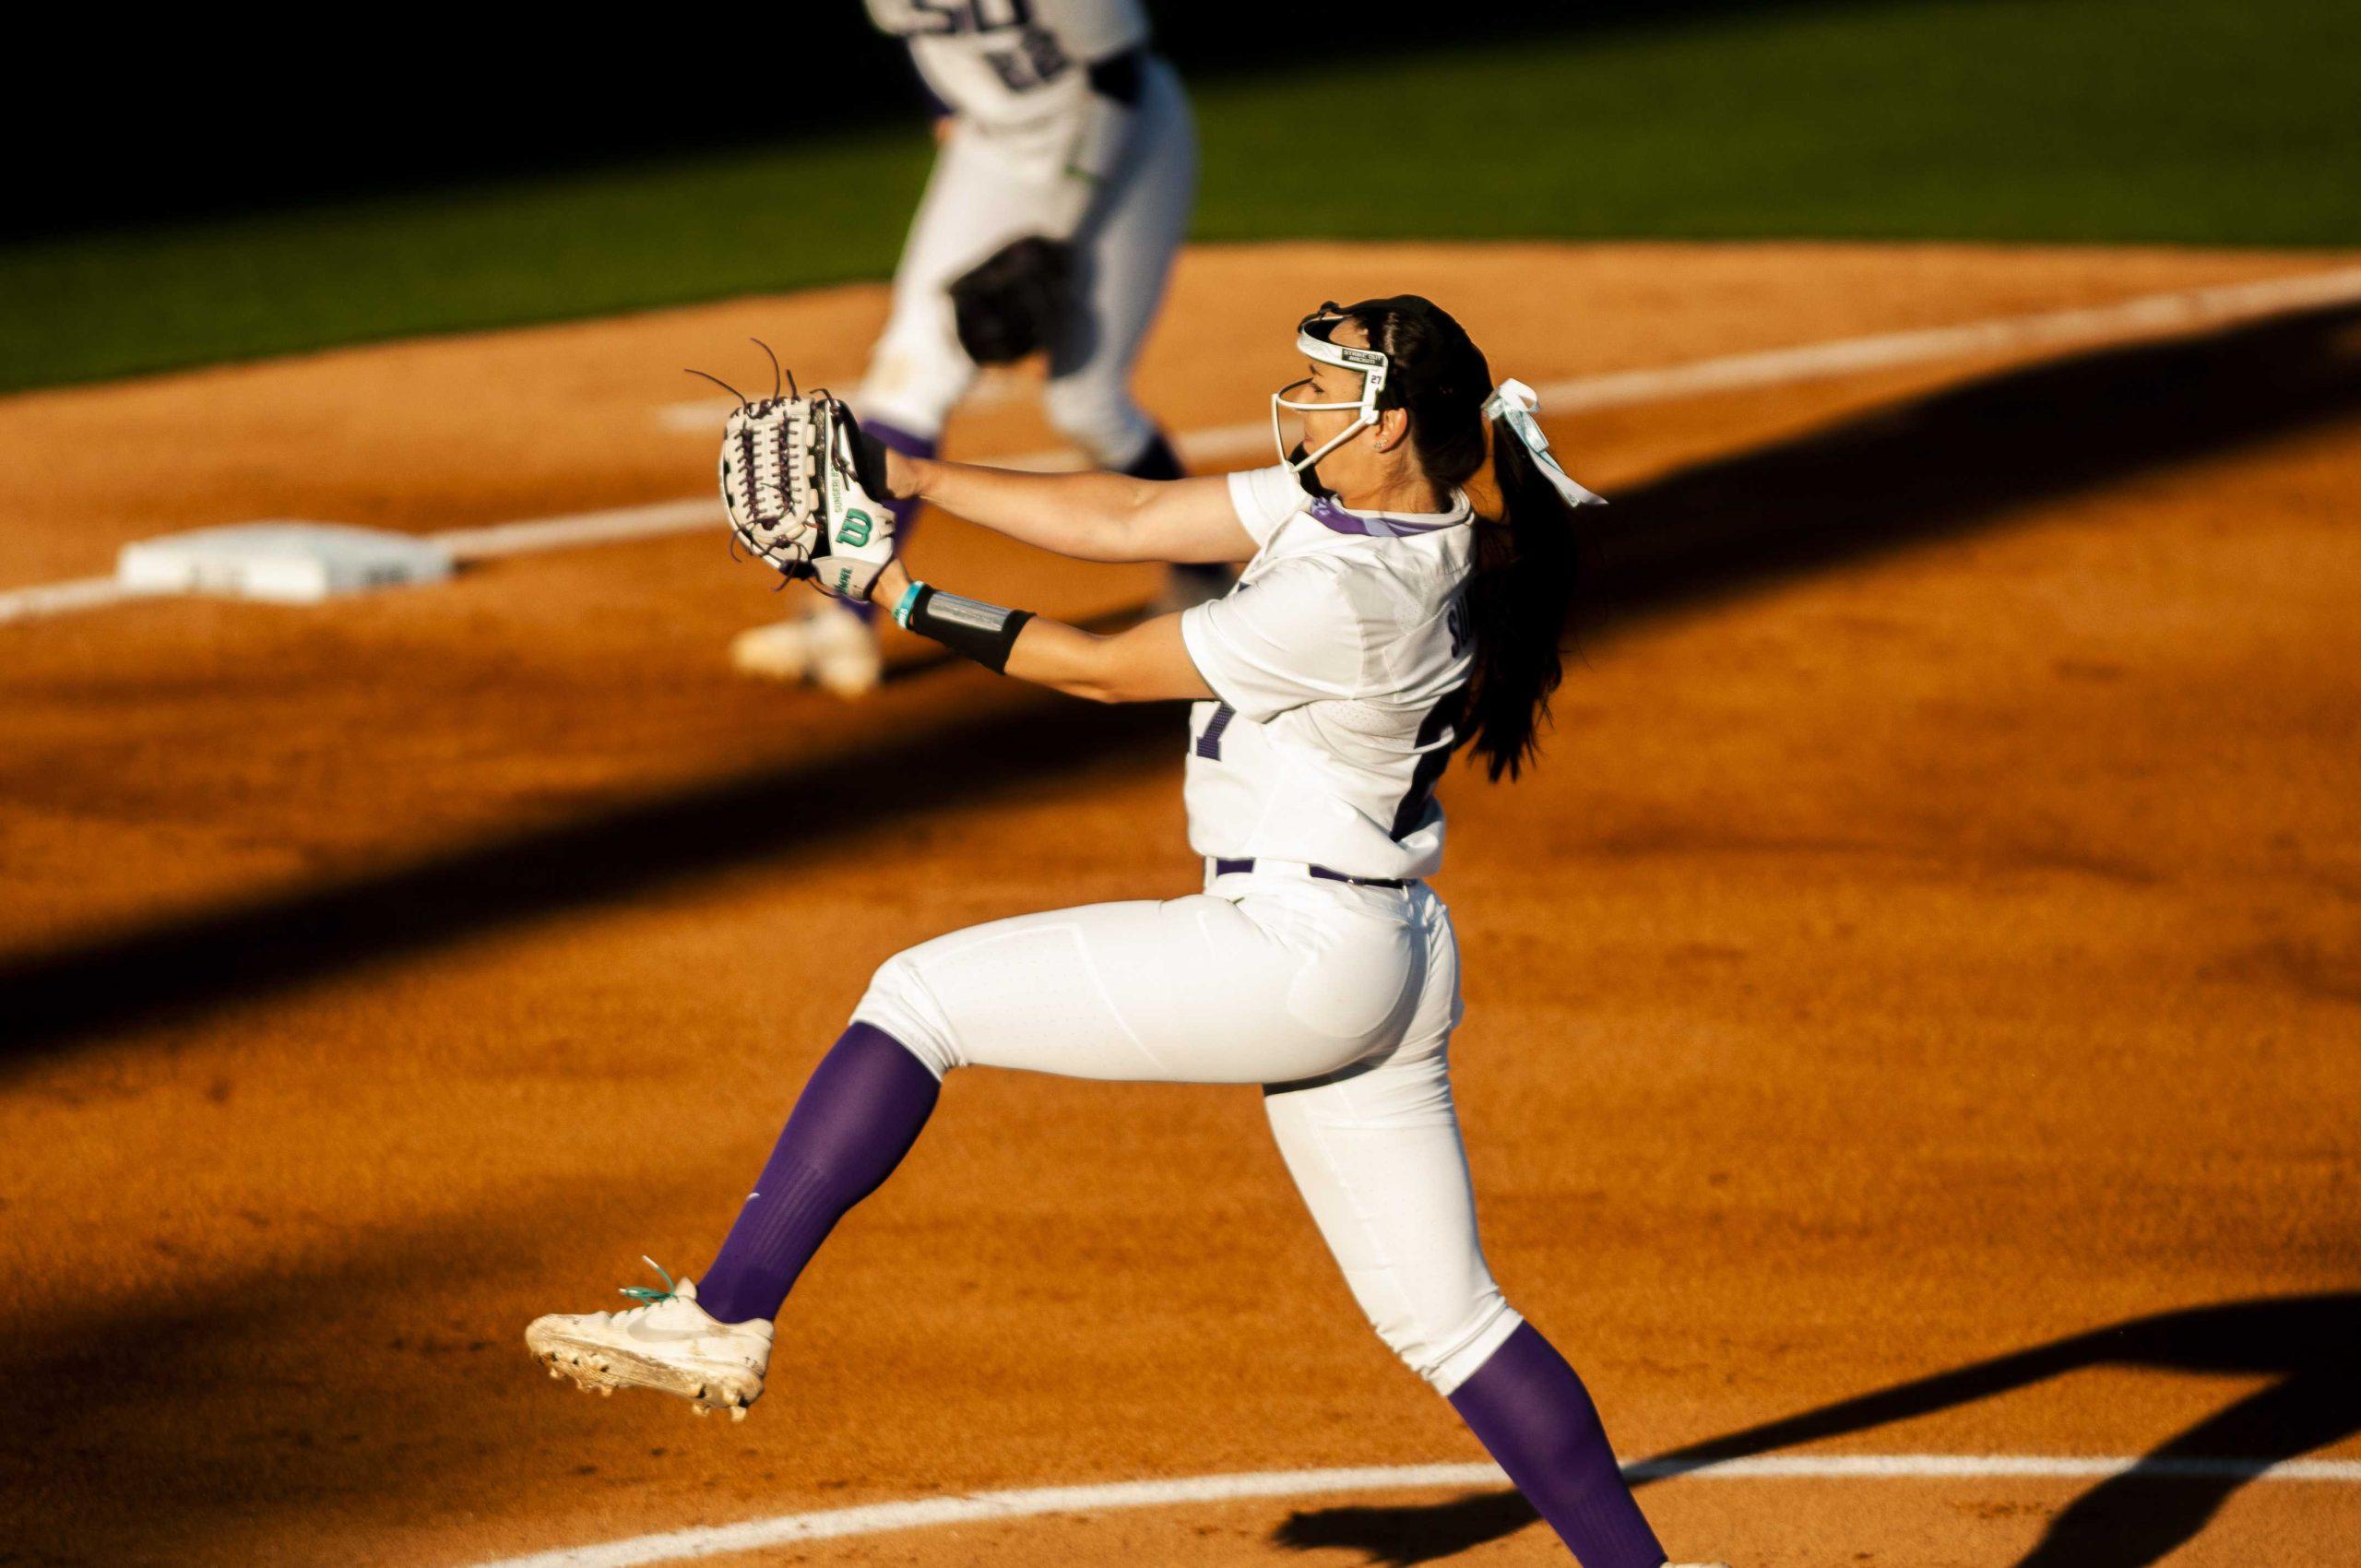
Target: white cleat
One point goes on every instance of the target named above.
(828, 646)
(667, 1343)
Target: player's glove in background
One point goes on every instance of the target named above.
(1012, 304)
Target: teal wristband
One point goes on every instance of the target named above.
(910, 601)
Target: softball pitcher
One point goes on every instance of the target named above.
(1379, 624)
(1067, 169)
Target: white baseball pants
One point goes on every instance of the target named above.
(975, 203)
(1339, 999)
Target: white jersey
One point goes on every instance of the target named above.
(1035, 150)
(1013, 69)
(1339, 660)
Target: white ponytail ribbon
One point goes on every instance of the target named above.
(1516, 402)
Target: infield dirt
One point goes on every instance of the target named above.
(1935, 935)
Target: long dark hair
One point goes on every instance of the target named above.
(1522, 587)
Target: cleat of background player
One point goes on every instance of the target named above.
(823, 646)
(1067, 169)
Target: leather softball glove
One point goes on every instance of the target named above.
(799, 478)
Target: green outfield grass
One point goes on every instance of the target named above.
(2197, 122)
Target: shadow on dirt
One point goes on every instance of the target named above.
(2127, 1521)
(1940, 464)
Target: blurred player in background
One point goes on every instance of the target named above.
(1066, 172)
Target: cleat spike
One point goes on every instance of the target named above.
(737, 1412)
(702, 1409)
(607, 1390)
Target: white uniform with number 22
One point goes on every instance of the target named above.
(1033, 150)
(1337, 660)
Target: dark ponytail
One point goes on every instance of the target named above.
(1518, 599)
(1521, 589)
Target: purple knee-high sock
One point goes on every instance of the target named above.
(893, 438)
(1536, 1417)
(855, 1120)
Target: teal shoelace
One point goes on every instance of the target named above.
(648, 1295)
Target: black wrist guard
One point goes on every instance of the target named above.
(967, 626)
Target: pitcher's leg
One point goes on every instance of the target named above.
(858, 1116)
(1375, 1151)
(1377, 1154)
(1105, 991)
(711, 1346)
(1532, 1413)
(1183, 990)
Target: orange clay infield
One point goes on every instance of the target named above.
(1912, 1011)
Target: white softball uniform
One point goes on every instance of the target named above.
(1331, 658)
(1338, 660)
(1035, 150)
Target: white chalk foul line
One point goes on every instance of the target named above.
(57, 599)
(623, 523)
(879, 1519)
(2151, 315)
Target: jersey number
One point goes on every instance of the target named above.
(1443, 720)
(1209, 743)
(1034, 62)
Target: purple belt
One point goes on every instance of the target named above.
(1226, 868)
